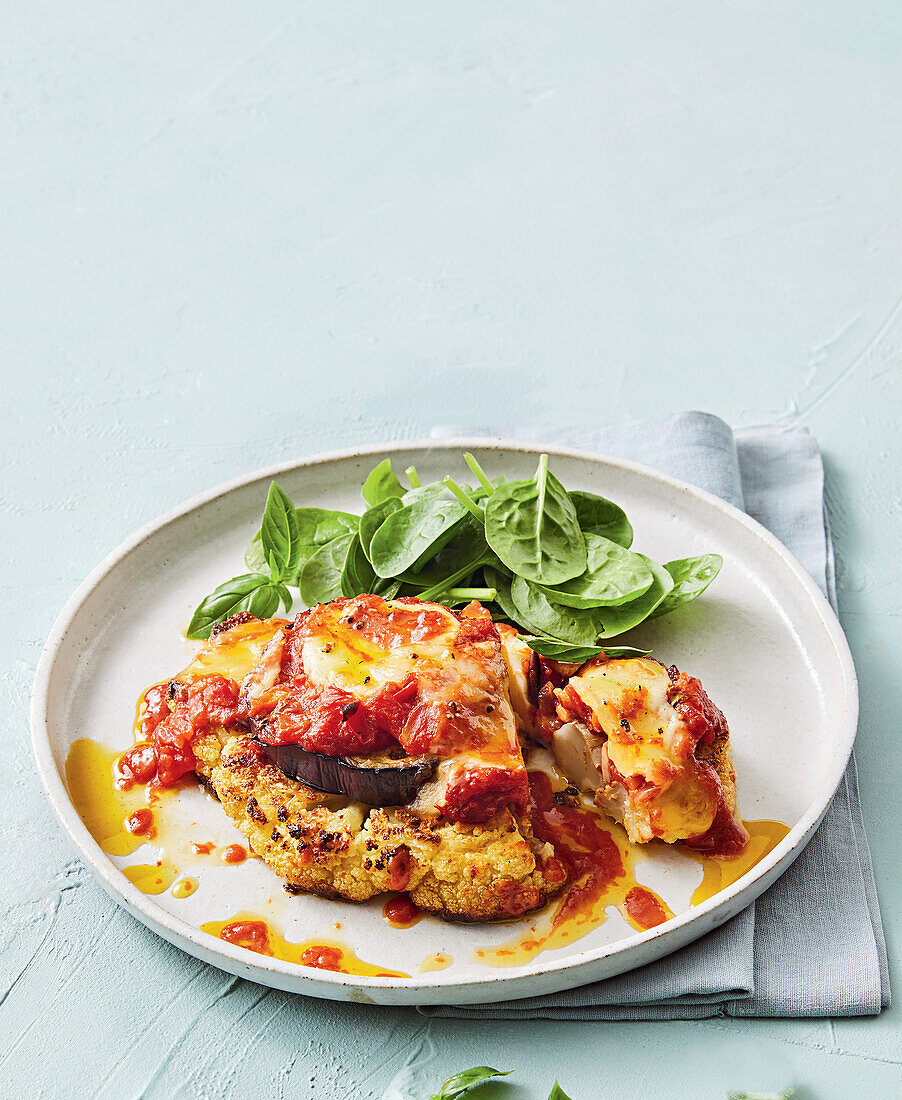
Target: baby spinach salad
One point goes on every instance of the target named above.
(557, 564)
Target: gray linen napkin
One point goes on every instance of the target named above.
(765, 961)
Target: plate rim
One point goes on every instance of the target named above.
(710, 914)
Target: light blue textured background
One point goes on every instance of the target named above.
(234, 233)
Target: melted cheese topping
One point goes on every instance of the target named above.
(339, 650)
(634, 691)
(233, 653)
(344, 647)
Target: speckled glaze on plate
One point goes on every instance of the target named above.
(763, 640)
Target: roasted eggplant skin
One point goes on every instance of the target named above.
(373, 781)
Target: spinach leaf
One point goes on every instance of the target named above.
(280, 539)
(425, 492)
(612, 621)
(495, 578)
(320, 579)
(458, 1084)
(254, 592)
(381, 483)
(541, 616)
(691, 576)
(462, 554)
(589, 626)
(613, 576)
(357, 576)
(578, 654)
(532, 527)
(597, 516)
(415, 533)
(373, 518)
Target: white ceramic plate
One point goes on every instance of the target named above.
(763, 640)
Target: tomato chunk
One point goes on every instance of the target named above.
(475, 793)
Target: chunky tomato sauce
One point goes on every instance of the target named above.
(587, 851)
(476, 793)
(401, 912)
(164, 754)
(644, 908)
(423, 712)
(389, 626)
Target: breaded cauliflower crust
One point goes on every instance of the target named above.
(326, 845)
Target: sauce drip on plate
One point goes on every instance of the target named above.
(400, 912)
(601, 862)
(255, 934)
(644, 909)
(718, 874)
(123, 817)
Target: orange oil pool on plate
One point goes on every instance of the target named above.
(251, 932)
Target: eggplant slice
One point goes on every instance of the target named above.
(376, 780)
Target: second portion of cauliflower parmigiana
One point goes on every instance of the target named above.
(654, 749)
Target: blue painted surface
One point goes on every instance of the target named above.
(238, 233)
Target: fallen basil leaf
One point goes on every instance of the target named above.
(381, 483)
(458, 1084)
(557, 1093)
(229, 598)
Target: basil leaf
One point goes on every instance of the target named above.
(381, 483)
(557, 1093)
(597, 516)
(578, 655)
(691, 576)
(279, 534)
(316, 527)
(373, 518)
(458, 1084)
(320, 579)
(532, 527)
(254, 558)
(357, 576)
(415, 533)
(238, 594)
(264, 601)
(613, 576)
